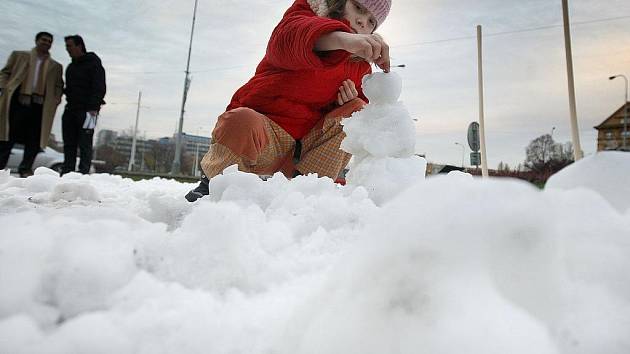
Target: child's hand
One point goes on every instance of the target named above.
(347, 92)
(370, 47)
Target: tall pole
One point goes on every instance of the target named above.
(577, 148)
(482, 126)
(194, 171)
(551, 150)
(463, 152)
(624, 135)
(132, 158)
(176, 167)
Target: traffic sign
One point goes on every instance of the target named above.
(475, 158)
(473, 136)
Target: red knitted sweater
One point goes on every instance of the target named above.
(295, 86)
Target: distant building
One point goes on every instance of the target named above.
(151, 154)
(166, 141)
(192, 144)
(105, 137)
(122, 144)
(611, 131)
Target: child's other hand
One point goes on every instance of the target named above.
(370, 47)
(347, 92)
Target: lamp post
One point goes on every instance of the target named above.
(132, 157)
(195, 165)
(177, 161)
(575, 131)
(482, 125)
(624, 135)
(550, 150)
(463, 152)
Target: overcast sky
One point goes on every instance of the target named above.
(143, 45)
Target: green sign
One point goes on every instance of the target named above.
(473, 136)
(475, 158)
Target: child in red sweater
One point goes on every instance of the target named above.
(287, 117)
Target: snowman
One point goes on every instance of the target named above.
(381, 139)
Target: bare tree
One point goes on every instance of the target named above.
(503, 167)
(544, 155)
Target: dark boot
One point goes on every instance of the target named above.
(200, 191)
(26, 173)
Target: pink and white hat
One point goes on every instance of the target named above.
(378, 8)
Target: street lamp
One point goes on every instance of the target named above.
(463, 152)
(625, 117)
(550, 148)
(177, 161)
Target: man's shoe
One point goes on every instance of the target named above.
(200, 191)
(25, 174)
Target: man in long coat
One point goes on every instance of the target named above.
(31, 86)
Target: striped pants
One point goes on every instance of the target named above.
(258, 145)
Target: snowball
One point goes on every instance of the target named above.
(382, 88)
(380, 131)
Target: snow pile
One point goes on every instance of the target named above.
(606, 173)
(381, 139)
(452, 265)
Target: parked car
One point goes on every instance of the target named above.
(47, 157)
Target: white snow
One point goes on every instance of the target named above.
(611, 183)
(450, 264)
(381, 138)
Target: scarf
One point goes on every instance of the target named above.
(39, 88)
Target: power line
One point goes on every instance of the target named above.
(503, 33)
(436, 41)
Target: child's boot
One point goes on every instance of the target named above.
(200, 191)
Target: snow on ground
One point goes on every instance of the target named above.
(102, 264)
(390, 263)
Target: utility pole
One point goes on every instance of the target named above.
(132, 158)
(577, 148)
(463, 152)
(176, 167)
(482, 126)
(194, 171)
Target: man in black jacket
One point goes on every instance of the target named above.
(85, 90)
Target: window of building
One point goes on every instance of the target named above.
(626, 134)
(609, 135)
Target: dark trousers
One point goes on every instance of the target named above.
(25, 126)
(74, 136)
